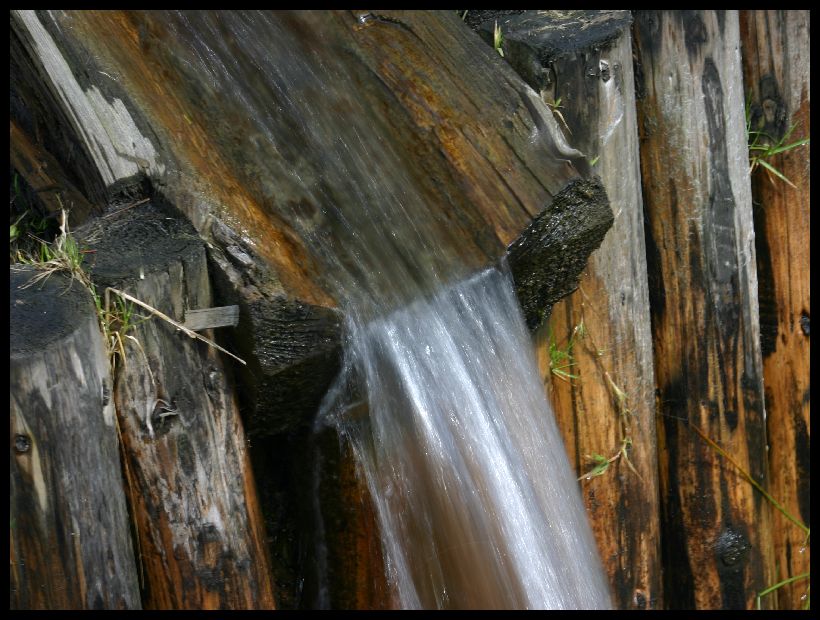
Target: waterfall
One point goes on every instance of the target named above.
(477, 504)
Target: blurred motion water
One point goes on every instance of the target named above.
(478, 506)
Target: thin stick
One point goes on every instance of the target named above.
(168, 319)
(131, 206)
(751, 480)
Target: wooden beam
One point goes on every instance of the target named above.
(70, 543)
(192, 493)
(775, 50)
(45, 176)
(703, 299)
(610, 400)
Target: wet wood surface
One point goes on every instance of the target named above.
(70, 543)
(703, 296)
(607, 405)
(201, 541)
(775, 50)
(477, 145)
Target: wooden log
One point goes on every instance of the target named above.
(609, 402)
(70, 543)
(349, 563)
(44, 174)
(703, 298)
(775, 51)
(483, 156)
(192, 491)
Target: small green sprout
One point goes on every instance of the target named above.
(763, 146)
(498, 39)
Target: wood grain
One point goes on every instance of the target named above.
(190, 484)
(775, 49)
(703, 298)
(70, 543)
(590, 74)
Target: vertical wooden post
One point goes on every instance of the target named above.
(192, 492)
(609, 407)
(703, 295)
(775, 50)
(70, 542)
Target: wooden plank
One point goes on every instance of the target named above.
(775, 50)
(208, 318)
(590, 74)
(703, 298)
(193, 495)
(70, 543)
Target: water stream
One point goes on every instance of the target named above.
(477, 504)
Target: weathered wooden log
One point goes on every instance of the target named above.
(775, 51)
(350, 563)
(191, 489)
(70, 543)
(143, 100)
(703, 298)
(45, 175)
(584, 60)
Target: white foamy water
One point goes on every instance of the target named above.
(477, 503)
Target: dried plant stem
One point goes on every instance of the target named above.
(168, 319)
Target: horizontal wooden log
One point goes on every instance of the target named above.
(70, 543)
(208, 318)
(703, 296)
(583, 59)
(192, 491)
(775, 51)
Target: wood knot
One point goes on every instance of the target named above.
(22, 443)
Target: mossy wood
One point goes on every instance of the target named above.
(70, 546)
(191, 489)
(775, 50)
(716, 528)
(581, 61)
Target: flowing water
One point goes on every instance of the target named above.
(477, 504)
(476, 500)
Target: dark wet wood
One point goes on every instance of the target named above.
(775, 50)
(191, 488)
(45, 175)
(353, 563)
(70, 543)
(716, 528)
(584, 59)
